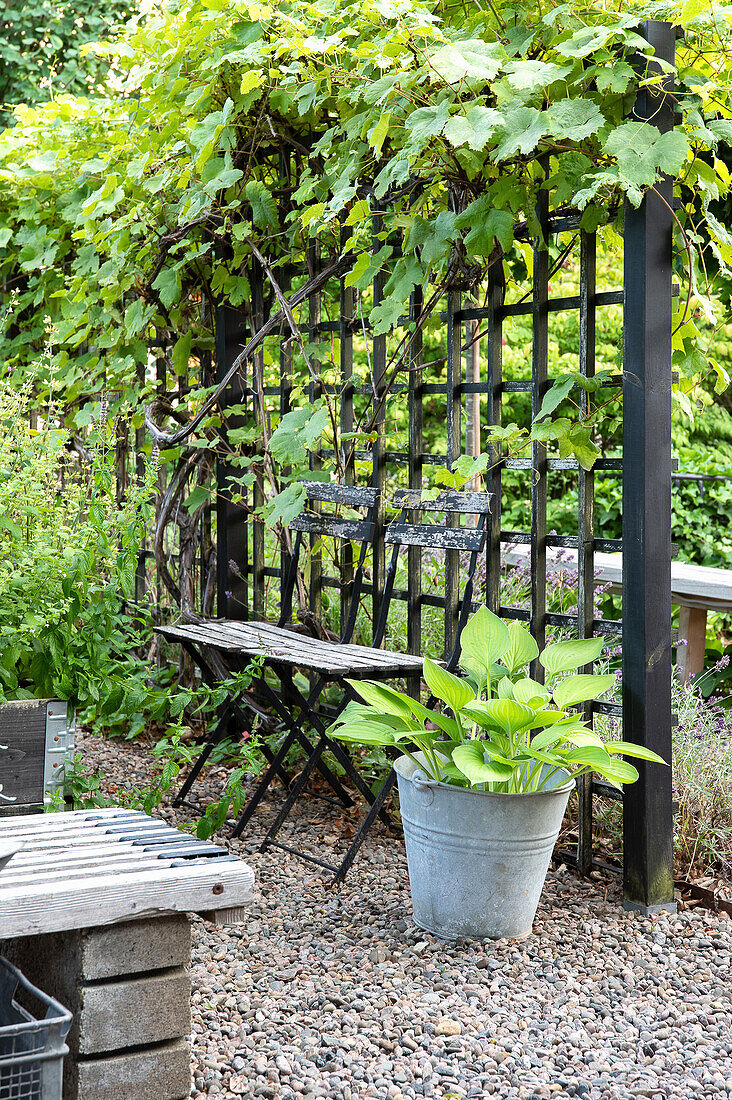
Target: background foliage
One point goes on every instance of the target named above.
(224, 140)
(41, 48)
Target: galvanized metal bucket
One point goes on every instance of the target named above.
(477, 861)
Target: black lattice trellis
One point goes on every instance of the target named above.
(645, 631)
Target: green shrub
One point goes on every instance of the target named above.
(69, 554)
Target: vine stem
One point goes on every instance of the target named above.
(687, 246)
(312, 286)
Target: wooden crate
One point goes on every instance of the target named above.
(39, 739)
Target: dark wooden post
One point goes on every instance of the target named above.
(540, 384)
(648, 837)
(232, 533)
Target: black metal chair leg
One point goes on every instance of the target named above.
(211, 741)
(352, 772)
(364, 829)
(296, 725)
(294, 794)
(341, 755)
(255, 798)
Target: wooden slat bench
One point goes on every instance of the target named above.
(695, 589)
(93, 909)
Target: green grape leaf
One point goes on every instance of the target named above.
(475, 128)
(470, 60)
(575, 119)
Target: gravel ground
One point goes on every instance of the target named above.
(338, 994)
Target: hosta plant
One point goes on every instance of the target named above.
(504, 732)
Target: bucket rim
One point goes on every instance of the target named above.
(405, 767)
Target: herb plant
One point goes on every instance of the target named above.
(69, 555)
(505, 732)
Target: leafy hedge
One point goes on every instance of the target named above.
(238, 138)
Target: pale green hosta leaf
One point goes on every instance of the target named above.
(578, 689)
(546, 717)
(444, 685)
(627, 748)
(598, 760)
(447, 725)
(546, 737)
(505, 688)
(470, 758)
(580, 736)
(364, 733)
(522, 650)
(530, 692)
(503, 714)
(566, 656)
(385, 699)
(484, 640)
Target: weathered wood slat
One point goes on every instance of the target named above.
(354, 496)
(306, 645)
(476, 503)
(71, 873)
(285, 647)
(93, 900)
(434, 537)
(23, 731)
(358, 530)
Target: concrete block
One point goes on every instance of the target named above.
(130, 996)
(132, 1012)
(135, 947)
(158, 1073)
(89, 954)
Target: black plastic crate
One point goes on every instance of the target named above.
(33, 1028)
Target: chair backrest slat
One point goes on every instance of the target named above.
(354, 496)
(449, 501)
(435, 537)
(334, 527)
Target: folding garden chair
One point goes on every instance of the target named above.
(374, 663)
(219, 645)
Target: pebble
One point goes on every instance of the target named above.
(337, 995)
(448, 1027)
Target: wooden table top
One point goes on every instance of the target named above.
(288, 648)
(97, 867)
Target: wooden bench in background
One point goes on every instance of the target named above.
(695, 590)
(94, 910)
